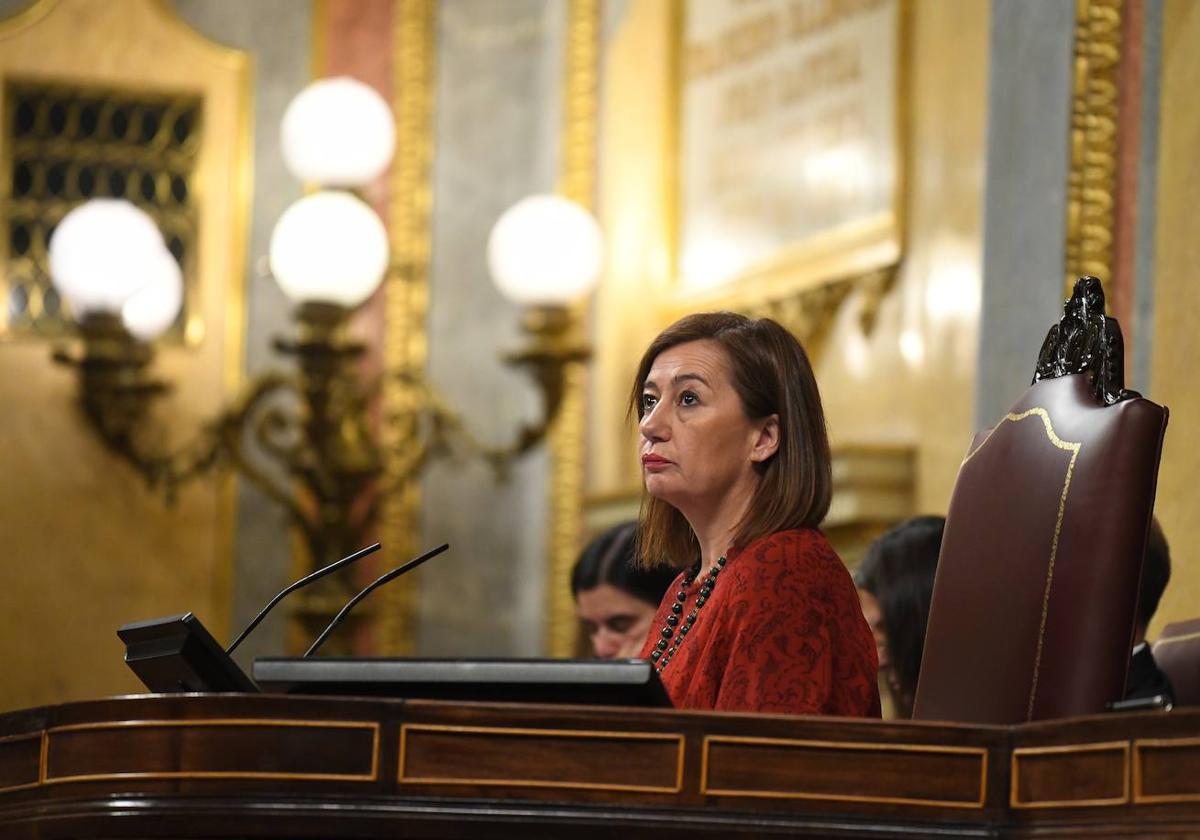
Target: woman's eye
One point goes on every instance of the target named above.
(648, 401)
(620, 623)
(688, 398)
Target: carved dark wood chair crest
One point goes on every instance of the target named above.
(1085, 340)
(1037, 583)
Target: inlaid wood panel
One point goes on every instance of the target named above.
(223, 749)
(1075, 776)
(519, 757)
(274, 767)
(912, 774)
(1167, 770)
(20, 761)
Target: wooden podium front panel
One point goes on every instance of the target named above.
(846, 771)
(497, 756)
(227, 766)
(283, 750)
(728, 762)
(1075, 776)
(1166, 770)
(20, 761)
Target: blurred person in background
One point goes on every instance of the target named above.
(615, 599)
(895, 587)
(1144, 678)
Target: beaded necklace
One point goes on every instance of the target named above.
(666, 648)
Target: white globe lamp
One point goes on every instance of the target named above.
(545, 250)
(102, 252)
(152, 309)
(338, 132)
(329, 247)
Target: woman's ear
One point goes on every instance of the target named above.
(767, 443)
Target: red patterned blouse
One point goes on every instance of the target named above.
(781, 632)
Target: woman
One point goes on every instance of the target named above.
(735, 462)
(895, 583)
(614, 598)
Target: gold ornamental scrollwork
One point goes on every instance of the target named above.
(407, 303)
(577, 181)
(1095, 110)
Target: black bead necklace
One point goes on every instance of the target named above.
(674, 634)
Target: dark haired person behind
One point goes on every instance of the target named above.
(736, 468)
(1144, 678)
(615, 598)
(895, 583)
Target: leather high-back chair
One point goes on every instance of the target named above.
(1177, 653)
(1037, 582)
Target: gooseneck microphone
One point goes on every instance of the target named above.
(379, 581)
(304, 581)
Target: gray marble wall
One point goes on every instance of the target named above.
(1028, 159)
(1142, 346)
(1025, 210)
(277, 33)
(498, 91)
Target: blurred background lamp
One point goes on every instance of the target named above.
(102, 252)
(545, 251)
(152, 309)
(338, 132)
(329, 247)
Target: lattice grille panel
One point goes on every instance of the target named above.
(65, 143)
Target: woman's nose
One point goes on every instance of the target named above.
(606, 644)
(654, 426)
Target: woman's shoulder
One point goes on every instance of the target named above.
(796, 542)
(802, 553)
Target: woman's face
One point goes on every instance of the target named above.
(698, 448)
(616, 623)
(873, 613)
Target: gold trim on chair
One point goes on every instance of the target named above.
(1074, 448)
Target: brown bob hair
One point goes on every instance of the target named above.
(772, 375)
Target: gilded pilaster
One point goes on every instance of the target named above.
(577, 181)
(407, 302)
(1092, 179)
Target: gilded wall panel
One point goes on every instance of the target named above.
(87, 543)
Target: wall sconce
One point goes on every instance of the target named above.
(109, 262)
(329, 253)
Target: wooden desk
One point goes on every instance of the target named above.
(261, 766)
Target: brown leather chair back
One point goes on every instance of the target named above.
(1177, 653)
(1037, 583)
